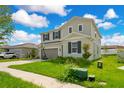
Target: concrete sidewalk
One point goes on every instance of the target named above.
(37, 79)
(122, 67)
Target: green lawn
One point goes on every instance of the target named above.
(113, 77)
(44, 68)
(7, 81)
(110, 75)
(11, 60)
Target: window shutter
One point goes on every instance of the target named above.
(48, 36)
(69, 47)
(79, 46)
(53, 35)
(59, 34)
(43, 38)
(80, 27)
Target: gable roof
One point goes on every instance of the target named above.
(97, 31)
(74, 18)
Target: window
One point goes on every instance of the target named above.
(46, 36)
(80, 28)
(56, 35)
(74, 47)
(95, 34)
(70, 29)
(9, 53)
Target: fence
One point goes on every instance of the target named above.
(120, 56)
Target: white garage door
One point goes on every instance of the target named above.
(51, 53)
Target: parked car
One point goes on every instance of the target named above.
(7, 55)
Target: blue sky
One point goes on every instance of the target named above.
(30, 21)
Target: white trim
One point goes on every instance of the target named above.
(82, 27)
(74, 53)
(74, 41)
(76, 33)
(69, 27)
(50, 47)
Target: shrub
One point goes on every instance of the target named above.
(59, 60)
(68, 76)
(74, 75)
(63, 60)
(81, 62)
(86, 55)
(86, 48)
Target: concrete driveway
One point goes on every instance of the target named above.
(37, 79)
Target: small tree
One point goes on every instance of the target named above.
(86, 53)
(6, 23)
(33, 53)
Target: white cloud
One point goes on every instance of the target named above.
(110, 14)
(60, 9)
(93, 17)
(120, 22)
(115, 39)
(106, 25)
(60, 25)
(33, 20)
(20, 36)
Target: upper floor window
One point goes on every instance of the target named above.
(56, 35)
(80, 28)
(70, 29)
(45, 36)
(95, 34)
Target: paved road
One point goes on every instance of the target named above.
(37, 79)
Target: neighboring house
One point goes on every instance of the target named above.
(68, 39)
(21, 50)
(111, 49)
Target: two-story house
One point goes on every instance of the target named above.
(68, 39)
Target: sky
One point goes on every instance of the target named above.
(31, 20)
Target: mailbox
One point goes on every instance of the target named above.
(99, 64)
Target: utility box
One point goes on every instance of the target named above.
(81, 73)
(100, 64)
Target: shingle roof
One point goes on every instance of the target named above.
(25, 45)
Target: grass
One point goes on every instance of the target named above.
(7, 81)
(11, 60)
(113, 77)
(45, 68)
